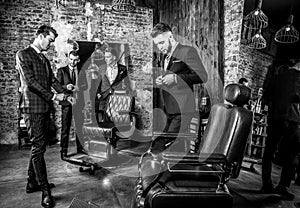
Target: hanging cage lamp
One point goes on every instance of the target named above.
(257, 41)
(288, 33)
(256, 19)
(123, 5)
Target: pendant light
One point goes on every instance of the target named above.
(288, 33)
(123, 5)
(257, 41)
(256, 19)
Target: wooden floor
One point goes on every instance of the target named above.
(108, 188)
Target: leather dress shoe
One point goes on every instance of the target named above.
(63, 155)
(34, 187)
(281, 190)
(47, 199)
(53, 142)
(268, 189)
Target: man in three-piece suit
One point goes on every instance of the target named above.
(37, 79)
(113, 78)
(68, 78)
(182, 68)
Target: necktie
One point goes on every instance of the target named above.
(166, 61)
(44, 60)
(73, 77)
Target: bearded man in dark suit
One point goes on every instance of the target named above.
(68, 78)
(181, 69)
(37, 79)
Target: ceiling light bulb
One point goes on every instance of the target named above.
(287, 28)
(256, 12)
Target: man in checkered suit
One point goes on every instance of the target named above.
(37, 79)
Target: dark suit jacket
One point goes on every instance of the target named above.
(64, 78)
(187, 65)
(105, 88)
(36, 78)
(285, 96)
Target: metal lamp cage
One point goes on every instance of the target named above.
(288, 33)
(123, 5)
(256, 19)
(257, 41)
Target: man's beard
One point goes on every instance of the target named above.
(168, 50)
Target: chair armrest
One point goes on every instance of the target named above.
(178, 135)
(131, 113)
(123, 112)
(202, 158)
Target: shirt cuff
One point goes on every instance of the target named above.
(54, 96)
(175, 78)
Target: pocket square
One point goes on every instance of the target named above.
(176, 61)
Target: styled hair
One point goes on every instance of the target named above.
(160, 28)
(112, 51)
(242, 80)
(45, 30)
(74, 53)
(293, 62)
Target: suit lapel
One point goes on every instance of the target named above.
(119, 75)
(68, 75)
(173, 56)
(43, 60)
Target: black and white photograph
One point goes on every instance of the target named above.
(149, 103)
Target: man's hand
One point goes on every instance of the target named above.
(70, 87)
(71, 100)
(60, 96)
(168, 79)
(158, 80)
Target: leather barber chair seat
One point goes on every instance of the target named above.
(177, 179)
(116, 122)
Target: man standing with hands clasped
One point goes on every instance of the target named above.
(181, 69)
(68, 78)
(37, 78)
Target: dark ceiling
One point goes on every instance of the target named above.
(278, 12)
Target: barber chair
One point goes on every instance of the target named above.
(198, 179)
(109, 137)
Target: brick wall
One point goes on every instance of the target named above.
(240, 60)
(20, 18)
(233, 16)
(18, 22)
(253, 66)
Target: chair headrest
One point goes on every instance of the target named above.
(237, 94)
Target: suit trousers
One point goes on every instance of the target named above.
(288, 133)
(37, 129)
(176, 123)
(66, 121)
